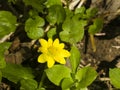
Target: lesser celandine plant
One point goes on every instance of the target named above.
(52, 51)
(58, 29)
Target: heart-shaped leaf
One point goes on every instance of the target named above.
(56, 14)
(57, 73)
(53, 2)
(73, 30)
(85, 76)
(74, 58)
(7, 23)
(15, 73)
(96, 27)
(33, 27)
(28, 84)
(115, 77)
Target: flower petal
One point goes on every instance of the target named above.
(43, 42)
(56, 43)
(41, 58)
(62, 45)
(65, 53)
(42, 49)
(50, 42)
(50, 62)
(60, 60)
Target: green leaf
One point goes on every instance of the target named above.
(36, 4)
(0, 76)
(3, 47)
(28, 84)
(56, 14)
(73, 30)
(74, 58)
(49, 3)
(57, 73)
(51, 32)
(7, 23)
(33, 27)
(91, 12)
(115, 77)
(15, 73)
(67, 83)
(85, 76)
(96, 27)
(69, 13)
(80, 10)
(2, 61)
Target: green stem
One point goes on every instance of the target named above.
(42, 80)
(93, 42)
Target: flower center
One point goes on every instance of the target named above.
(53, 51)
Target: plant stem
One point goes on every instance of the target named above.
(42, 80)
(93, 42)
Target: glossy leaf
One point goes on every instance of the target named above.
(69, 13)
(85, 76)
(67, 83)
(74, 58)
(36, 4)
(49, 3)
(115, 77)
(33, 27)
(7, 23)
(15, 73)
(91, 12)
(51, 32)
(80, 10)
(96, 27)
(56, 14)
(3, 47)
(73, 30)
(28, 84)
(0, 76)
(57, 73)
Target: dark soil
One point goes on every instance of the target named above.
(106, 56)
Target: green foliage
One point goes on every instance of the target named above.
(7, 23)
(56, 14)
(91, 12)
(4, 46)
(74, 58)
(28, 84)
(67, 83)
(114, 77)
(0, 76)
(96, 27)
(73, 29)
(85, 77)
(49, 3)
(57, 73)
(15, 73)
(67, 25)
(51, 32)
(36, 4)
(33, 27)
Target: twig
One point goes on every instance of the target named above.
(81, 3)
(104, 79)
(73, 4)
(47, 28)
(5, 37)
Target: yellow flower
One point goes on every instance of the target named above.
(52, 51)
